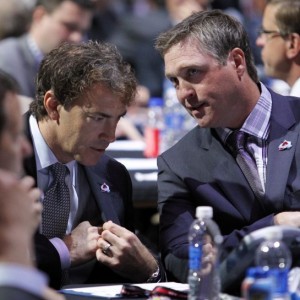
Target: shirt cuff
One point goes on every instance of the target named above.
(63, 252)
(25, 278)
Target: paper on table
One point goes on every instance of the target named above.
(113, 291)
(127, 145)
(138, 163)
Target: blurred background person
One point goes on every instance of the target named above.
(20, 211)
(279, 39)
(15, 18)
(53, 22)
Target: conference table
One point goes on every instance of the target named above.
(142, 170)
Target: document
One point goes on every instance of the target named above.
(114, 291)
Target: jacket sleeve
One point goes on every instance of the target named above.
(176, 205)
(48, 260)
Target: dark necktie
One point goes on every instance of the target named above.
(237, 142)
(56, 204)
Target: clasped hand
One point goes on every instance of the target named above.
(115, 247)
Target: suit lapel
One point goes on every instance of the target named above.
(279, 162)
(229, 177)
(105, 199)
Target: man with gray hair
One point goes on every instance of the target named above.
(242, 159)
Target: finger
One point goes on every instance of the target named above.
(27, 182)
(116, 229)
(35, 194)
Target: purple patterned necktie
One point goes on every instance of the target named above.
(237, 144)
(56, 204)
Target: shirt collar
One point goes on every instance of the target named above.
(43, 154)
(34, 49)
(258, 122)
(295, 90)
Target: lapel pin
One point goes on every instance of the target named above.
(105, 188)
(285, 145)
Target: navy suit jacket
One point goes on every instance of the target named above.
(115, 206)
(199, 170)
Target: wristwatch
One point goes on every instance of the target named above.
(155, 277)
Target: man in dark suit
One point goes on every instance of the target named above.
(20, 209)
(82, 92)
(208, 59)
(53, 22)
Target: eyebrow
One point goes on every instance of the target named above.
(105, 115)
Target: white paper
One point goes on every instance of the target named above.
(138, 163)
(113, 291)
(127, 145)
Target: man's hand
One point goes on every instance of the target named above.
(290, 218)
(20, 215)
(126, 256)
(82, 243)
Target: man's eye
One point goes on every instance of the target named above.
(95, 118)
(173, 81)
(192, 72)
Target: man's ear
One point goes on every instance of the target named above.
(236, 58)
(293, 45)
(38, 13)
(51, 104)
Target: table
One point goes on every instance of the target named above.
(133, 291)
(142, 170)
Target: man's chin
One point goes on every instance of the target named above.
(91, 161)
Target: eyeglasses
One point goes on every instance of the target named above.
(270, 33)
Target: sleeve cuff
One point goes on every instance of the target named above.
(63, 252)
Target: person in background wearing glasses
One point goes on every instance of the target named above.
(279, 39)
(53, 22)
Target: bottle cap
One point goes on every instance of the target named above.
(155, 101)
(274, 233)
(204, 211)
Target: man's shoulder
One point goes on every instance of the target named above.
(11, 52)
(192, 139)
(10, 43)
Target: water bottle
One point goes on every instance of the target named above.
(204, 242)
(274, 257)
(154, 127)
(177, 121)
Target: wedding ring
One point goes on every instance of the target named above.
(106, 248)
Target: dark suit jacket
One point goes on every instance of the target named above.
(17, 60)
(115, 206)
(198, 170)
(11, 293)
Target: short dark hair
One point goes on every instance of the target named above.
(70, 70)
(51, 5)
(7, 84)
(217, 34)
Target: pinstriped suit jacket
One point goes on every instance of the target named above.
(199, 170)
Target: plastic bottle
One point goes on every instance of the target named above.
(176, 119)
(204, 242)
(154, 127)
(274, 257)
